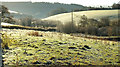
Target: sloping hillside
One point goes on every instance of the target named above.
(18, 14)
(56, 48)
(66, 17)
(39, 9)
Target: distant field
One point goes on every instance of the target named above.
(66, 17)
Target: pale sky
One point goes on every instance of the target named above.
(81, 2)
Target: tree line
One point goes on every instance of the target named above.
(102, 27)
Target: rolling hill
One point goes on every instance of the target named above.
(39, 9)
(66, 17)
(16, 14)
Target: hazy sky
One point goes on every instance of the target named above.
(82, 2)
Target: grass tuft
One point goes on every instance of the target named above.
(5, 41)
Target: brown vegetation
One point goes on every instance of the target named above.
(29, 28)
(33, 33)
(102, 27)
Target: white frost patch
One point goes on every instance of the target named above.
(6, 23)
(12, 11)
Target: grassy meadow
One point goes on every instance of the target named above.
(29, 47)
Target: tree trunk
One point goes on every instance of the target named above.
(0, 49)
(0, 54)
(0, 45)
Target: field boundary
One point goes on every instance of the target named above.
(111, 38)
(28, 28)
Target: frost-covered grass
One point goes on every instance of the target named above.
(58, 48)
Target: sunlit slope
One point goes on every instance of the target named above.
(65, 17)
(56, 48)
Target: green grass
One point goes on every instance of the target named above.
(58, 48)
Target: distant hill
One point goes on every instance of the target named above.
(96, 14)
(17, 14)
(39, 9)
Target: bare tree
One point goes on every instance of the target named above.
(109, 31)
(3, 12)
(27, 21)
